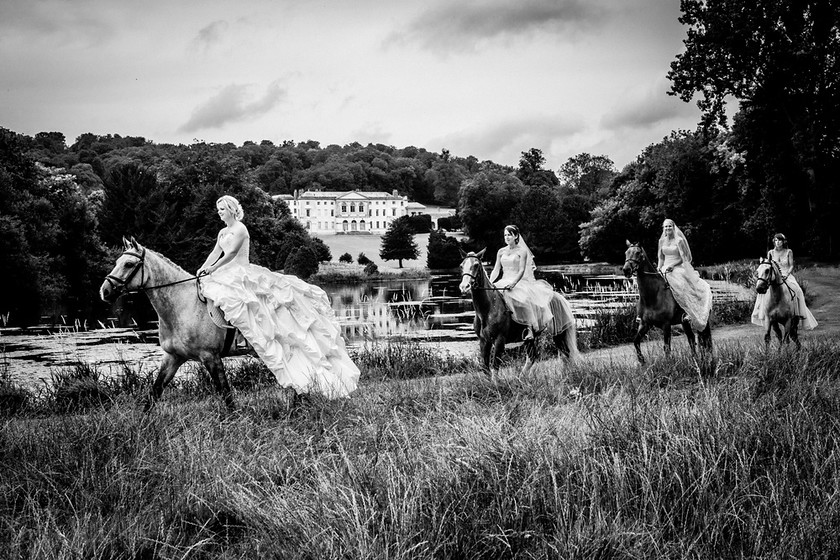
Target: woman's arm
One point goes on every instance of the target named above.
(213, 256)
(660, 257)
(789, 258)
(239, 236)
(497, 268)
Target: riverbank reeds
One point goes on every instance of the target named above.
(344, 273)
(598, 459)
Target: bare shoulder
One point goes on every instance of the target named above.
(240, 229)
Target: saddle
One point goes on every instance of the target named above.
(232, 334)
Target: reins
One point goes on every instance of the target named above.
(650, 264)
(782, 280)
(120, 283)
(490, 288)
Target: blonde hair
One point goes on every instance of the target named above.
(232, 205)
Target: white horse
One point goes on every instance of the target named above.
(187, 332)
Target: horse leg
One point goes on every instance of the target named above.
(637, 341)
(793, 332)
(689, 336)
(530, 355)
(166, 372)
(216, 368)
(666, 339)
(485, 347)
(496, 352)
(767, 336)
(778, 332)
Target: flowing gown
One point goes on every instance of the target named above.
(806, 318)
(289, 323)
(689, 290)
(533, 302)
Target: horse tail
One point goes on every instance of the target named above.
(570, 335)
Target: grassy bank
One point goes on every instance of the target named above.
(736, 459)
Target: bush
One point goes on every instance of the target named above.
(363, 259)
(371, 269)
(302, 262)
(443, 251)
(346, 258)
(420, 224)
(322, 251)
(450, 223)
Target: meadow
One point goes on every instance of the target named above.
(735, 458)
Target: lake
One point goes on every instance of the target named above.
(429, 311)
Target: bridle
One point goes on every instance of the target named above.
(635, 263)
(474, 277)
(777, 272)
(119, 284)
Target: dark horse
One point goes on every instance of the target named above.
(187, 332)
(777, 305)
(494, 324)
(657, 306)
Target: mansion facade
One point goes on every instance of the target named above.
(326, 212)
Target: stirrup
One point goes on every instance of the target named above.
(528, 334)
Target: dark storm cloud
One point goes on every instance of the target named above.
(649, 111)
(211, 34)
(231, 105)
(65, 22)
(464, 24)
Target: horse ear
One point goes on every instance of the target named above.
(627, 241)
(134, 242)
(126, 244)
(463, 254)
(480, 254)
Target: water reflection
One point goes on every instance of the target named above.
(399, 308)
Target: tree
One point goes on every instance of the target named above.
(781, 61)
(588, 175)
(485, 205)
(398, 242)
(443, 251)
(302, 262)
(531, 170)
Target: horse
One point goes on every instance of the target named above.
(777, 305)
(656, 306)
(186, 329)
(494, 324)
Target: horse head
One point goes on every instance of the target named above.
(767, 274)
(634, 259)
(123, 277)
(470, 270)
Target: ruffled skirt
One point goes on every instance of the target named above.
(290, 325)
(692, 293)
(806, 318)
(536, 304)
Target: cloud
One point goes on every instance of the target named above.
(210, 35)
(231, 105)
(647, 109)
(505, 141)
(464, 24)
(65, 23)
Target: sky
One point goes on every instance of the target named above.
(491, 79)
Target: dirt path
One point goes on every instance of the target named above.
(822, 281)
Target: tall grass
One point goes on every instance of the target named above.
(602, 460)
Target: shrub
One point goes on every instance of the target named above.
(302, 262)
(363, 259)
(346, 258)
(371, 268)
(443, 251)
(322, 251)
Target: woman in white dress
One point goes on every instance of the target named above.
(287, 321)
(689, 290)
(532, 302)
(784, 257)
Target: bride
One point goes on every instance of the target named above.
(287, 321)
(532, 302)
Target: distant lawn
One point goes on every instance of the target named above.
(369, 245)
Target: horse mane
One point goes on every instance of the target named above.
(166, 260)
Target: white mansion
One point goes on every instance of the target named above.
(325, 212)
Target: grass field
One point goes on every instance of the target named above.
(369, 245)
